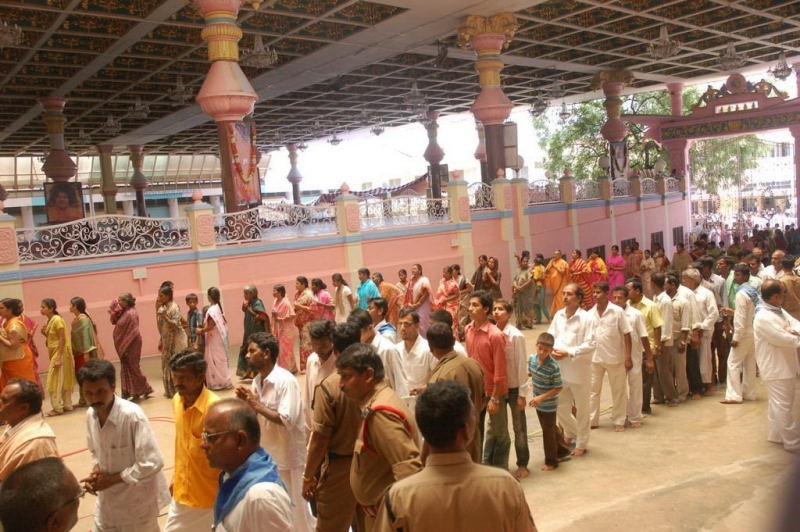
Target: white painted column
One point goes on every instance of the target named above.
(172, 205)
(27, 216)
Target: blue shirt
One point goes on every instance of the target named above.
(366, 291)
(545, 377)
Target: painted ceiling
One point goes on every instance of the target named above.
(345, 64)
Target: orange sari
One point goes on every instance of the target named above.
(22, 368)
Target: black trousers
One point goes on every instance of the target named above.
(693, 370)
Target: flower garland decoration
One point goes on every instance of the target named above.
(237, 164)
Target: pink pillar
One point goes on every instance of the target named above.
(614, 130)
(58, 165)
(434, 154)
(796, 68)
(294, 176)
(795, 131)
(226, 94)
(676, 98)
(138, 180)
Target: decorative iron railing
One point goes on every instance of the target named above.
(275, 222)
(620, 187)
(672, 184)
(543, 191)
(402, 210)
(101, 236)
(648, 185)
(587, 189)
(481, 196)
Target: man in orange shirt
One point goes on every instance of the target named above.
(195, 483)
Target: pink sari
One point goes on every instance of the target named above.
(448, 288)
(424, 310)
(322, 312)
(615, 277)
(218, 374)
(302, 318)
(284, 328)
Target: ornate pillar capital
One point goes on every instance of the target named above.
(58, 165)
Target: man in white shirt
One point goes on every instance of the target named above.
(127, 467)
(741, 377)
(251, 497)
(442, 316)
(755, 269)
(573, 329)
(777, 337)
(275, 396)
(640, 344)
(681, 329)
(705, 315)
(664, 390)
(775, 269)
(415, 355)
(612, 355)
(517, 377)
(320, 363)
(389, 353)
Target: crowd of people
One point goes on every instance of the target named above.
(401, 381)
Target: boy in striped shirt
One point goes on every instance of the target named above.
(546, 380)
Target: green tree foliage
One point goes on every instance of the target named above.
(576, 144)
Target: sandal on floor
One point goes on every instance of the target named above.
(54, 413)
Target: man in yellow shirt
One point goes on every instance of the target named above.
(195, 483)
(653, 322)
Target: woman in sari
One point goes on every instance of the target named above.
(579, 274)
(303, 315)
(61, 372)
(215, 332)
(447, 295)
(343, 299)
(616, 269)
(523, 291)
(323, 302)
(14, 336)
(597, 269)
(83, 336)
(556, 278)
(128, 343)
(538, 273)
(255, 320)
(491, 278)
(646, 271)
(173, 336)
(284, 327)
(661, 261)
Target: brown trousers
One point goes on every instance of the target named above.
(336, 504)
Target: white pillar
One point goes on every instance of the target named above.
(172, 205)
(27, 216)
(216, 202)
(127, 208)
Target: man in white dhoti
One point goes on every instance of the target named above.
(742, 361)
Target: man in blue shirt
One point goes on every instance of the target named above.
(367, 289)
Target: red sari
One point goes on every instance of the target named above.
(447, 289)
(580, 274)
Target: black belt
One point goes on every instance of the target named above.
(334, 456)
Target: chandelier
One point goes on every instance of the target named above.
(83, 136)
(112, 126)
(564, 114)
(259, 57)
(729, 59)
(415, 101)
(10, 35)
(302, 146)
(139, 109)
(663, 47)
(334, 140)
(180, 93)
(538, 106)
(377, 129)
(782, 70)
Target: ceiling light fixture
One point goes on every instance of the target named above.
(564, 114)
(180, 93)
(377, 129)
(729, 59)
(782, 70)
(415, 101)
(83, 136)
(112, 126)
(334, 140)
(10, 34)
(663, 47)
(259, 56)
(139, 109)
(538, 106)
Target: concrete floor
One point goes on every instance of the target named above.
(701, 466)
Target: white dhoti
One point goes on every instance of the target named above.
(301, 512)
(704, 352)
(576, 429)
(182, 518)
(634, 409)
(741, 381)
(148, 525)
(782, 424)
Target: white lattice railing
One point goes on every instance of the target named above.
(543, 191)
(587, 189)
(402, 210)
(275, 222)
(101, 236)
(481, 196)
(620, 187)
(648, 185)
(672, 185)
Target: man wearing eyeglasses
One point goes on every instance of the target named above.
(251, 496)
(127, 475)
(42, 495)
(195, 483)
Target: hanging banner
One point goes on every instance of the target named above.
(244, 163)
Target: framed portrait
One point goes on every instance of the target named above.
(64, 202)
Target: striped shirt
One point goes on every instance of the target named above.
(545, 377)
